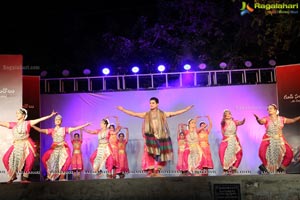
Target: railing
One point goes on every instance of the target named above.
(158, 80)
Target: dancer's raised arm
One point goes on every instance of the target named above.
(40, 130)
(239, 123)
(35, 121)
(71, 129)
(4, 124)
(260, 121)
(126, 133)
(292, 120)
(132, 113)
(178, 112)
(209, 123)
(91, 131)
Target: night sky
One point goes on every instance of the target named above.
(56, 37)
(60, 36)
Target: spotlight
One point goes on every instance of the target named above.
(248, 63)
(86, 72)
(272, 62)
(65, 72)
(105, 71)
(223, 65)
(187, 67)
(44, 73)
(202, 66)
(161, 68)
(135, 69)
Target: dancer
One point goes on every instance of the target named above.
(230, 151)
(113, 142)
(274, 151)
(123, 161)
(183, 151)
(103, 154)
(58, 158)
(156, 134)
(77, 161)
(203, 134)
(195, 156)
(20, 156)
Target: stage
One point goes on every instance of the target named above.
(279, 186)
(80, 108)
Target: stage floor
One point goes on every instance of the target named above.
(279, 186)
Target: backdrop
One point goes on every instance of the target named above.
(288, 88)
(10, 100)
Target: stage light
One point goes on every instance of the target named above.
(223, 65)
(86, 72)
(187, 67)
(105, 71)
(161, 68)
(65, 72)
(202, 66)
(135, 69)
(272, 62)
(248, 63)
(44, 73)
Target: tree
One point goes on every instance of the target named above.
(206, 31)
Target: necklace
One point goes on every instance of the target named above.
(20, 127)
(193, 135)
(102, 134)
(275, 121)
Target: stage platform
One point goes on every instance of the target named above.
(257, 187)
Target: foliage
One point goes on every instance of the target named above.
(206, 31)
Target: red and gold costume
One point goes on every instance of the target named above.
(58, 158)
(21, 154)
(123, 161)
(77, 162)
(113, 142)
(204, 144)
(103, 154)
(183, 152)
(195, 156)
(230, 151)
(274, 150)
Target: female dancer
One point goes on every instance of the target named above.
(183, 151)
(77, 161)
(20, 156)
(123, 161)
(230, 151)
(203, 133)
(274, 151)
(113, 142)
(103, 154)
(58, 158)
(195, 156)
